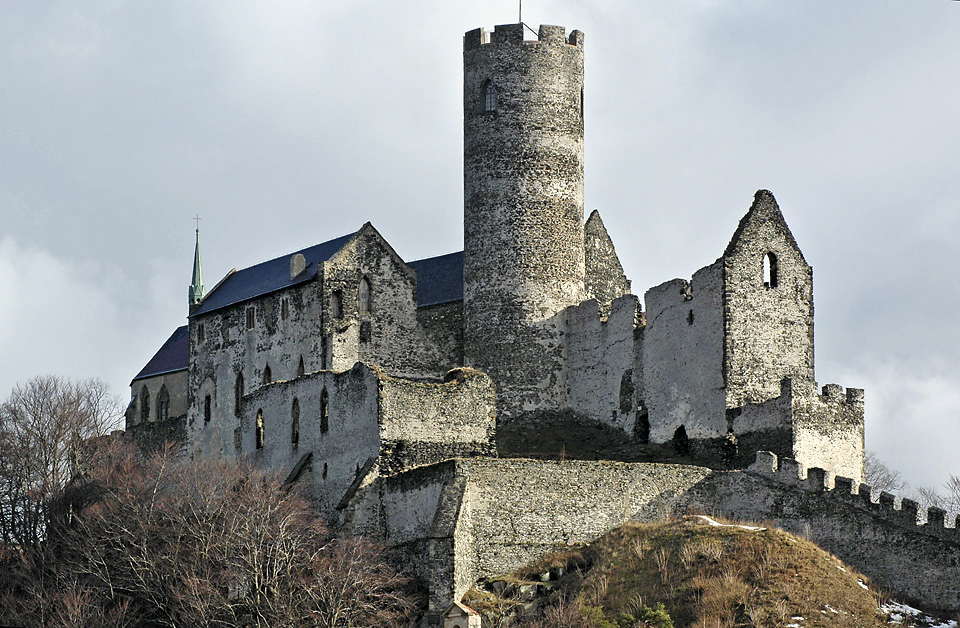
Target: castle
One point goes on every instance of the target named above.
(379, 384)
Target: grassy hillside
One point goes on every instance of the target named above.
(692, 572)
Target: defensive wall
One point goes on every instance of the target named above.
(463, 520)
(327, 429)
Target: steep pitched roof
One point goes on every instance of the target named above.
(439, 279)
(174, 355)
(267, 277)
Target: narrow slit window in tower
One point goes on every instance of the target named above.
(206, 409)
(301, 368)
(267, 375)
(295, 423)
(285, 308)
(260, 429)
(489, 96)
(324, 411)
(251, 317)
(770, 270)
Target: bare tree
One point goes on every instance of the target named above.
(881, 477)
(168, 542)
(43, 424)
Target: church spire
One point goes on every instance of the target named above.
(196, 287)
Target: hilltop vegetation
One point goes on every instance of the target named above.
(693, 572)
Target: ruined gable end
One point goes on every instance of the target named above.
(604, 279)
(768, 306)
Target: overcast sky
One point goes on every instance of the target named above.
(284, 124)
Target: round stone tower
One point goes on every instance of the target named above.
(523, 208)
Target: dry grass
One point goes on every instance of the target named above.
(712, 577)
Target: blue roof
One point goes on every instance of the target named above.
(268, 277)
(174, 355)
(439, 279)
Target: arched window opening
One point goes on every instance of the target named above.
(324, 411)
(206, 409)
(324, 470)
(301, 369)
(163, 404)
(336, 304)
(489, 96)
(770, 270)
(295, 423)
(364, 295)
(260, 429)
(238, 394)
(267, 375)
(144, 404)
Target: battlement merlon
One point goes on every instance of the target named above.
(829, 393)
(513, 34)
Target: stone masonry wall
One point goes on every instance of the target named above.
(682, 357)
(915, 563)
(600, 362)
(828, 430)
(339, 450)
(481, 517)
(604, 279)
(422, 423)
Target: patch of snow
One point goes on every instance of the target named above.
(840, 567)
(897, 612)
(715, 523)
(863, 585)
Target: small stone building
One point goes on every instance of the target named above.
(461, 616)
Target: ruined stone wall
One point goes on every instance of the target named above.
(915, 563)
(604, 279)
(601, 376)
(768, 327)
(828, 430)
(422, 423)
(764, 426)
(469, 519)
(339, 449)
(523, 208)
(682, 357)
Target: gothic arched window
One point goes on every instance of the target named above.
(267, 375)
(364, 297)
(144, 404)
(489, 96)
(770, 270)
(163, 404)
